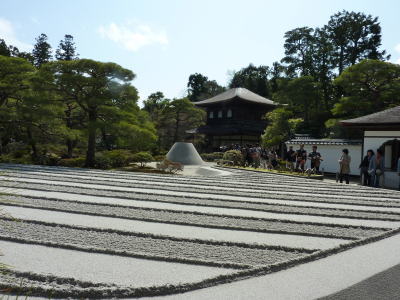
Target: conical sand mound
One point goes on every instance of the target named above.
(184, 153)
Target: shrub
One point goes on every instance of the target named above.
(235, 156)
(72, 162)
(212, 156)
(142, 158)
(102, 161)
(9, 158)
(159, 157)
(49, 159)
(113, 159)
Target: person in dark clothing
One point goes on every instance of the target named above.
(301, 156)
(364, 168)
(315, 158)
(290, 158)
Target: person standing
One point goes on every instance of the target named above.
(344, 166)
(315, 158)
(301, 156)
(364, 166)
(376, 167)
(290, 158)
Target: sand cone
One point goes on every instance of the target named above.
(184, 153)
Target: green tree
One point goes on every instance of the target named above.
(299, 51)
(281, 127)
(4, 50)
(156, 106)
(73, 114)
(200, 88)
(101, 90)
(252, 78)
(41, 51)
(184, 116)
(66, 49)
(369, 86)
(355, 36)
(303, 95)
(14, 74)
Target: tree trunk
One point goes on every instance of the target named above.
(69, 143)
(70, 147)
(105, 140)
(91, 148)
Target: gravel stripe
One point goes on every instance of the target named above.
(134, 245)
(208, 220)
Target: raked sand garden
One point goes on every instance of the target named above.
(89, 233)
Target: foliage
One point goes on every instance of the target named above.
(66, 49)
(354, 36)
(14, 76)
(234, 156)
(370, 86)
(200, 88)
(41, 51)
(299, 51)
(105, 97)
(212, 156)
(252, 78)
(281, 127)
(142, 158)
(182, 115)
(77, 162)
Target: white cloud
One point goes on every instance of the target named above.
(7, 33)
(133, 37)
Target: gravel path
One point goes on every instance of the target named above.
(213, 221)
(179, 231)
(101, 268)
(180, 204)
(217, 229)
(197, 186)
(142, 246)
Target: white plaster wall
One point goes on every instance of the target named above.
(331, 154)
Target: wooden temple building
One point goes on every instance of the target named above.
(234, 117)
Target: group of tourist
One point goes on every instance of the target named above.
(372, 167)
(296, 160)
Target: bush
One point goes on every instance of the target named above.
(102, 161)
(142, 158)
(113, 159)
(48, 159)
(25, 159)
(72, 162)
(235, 156)
(212, 156)
(159, 157)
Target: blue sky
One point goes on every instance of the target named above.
(163, 42)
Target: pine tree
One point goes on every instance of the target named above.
(41, 51)
(66, 49)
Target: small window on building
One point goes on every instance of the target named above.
(229, 113)
(211, 115)
(220, 114)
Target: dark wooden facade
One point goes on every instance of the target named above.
(234, 117)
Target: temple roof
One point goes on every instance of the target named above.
(312, 141)
(389, 116)
(240, 93)
(233, 128)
